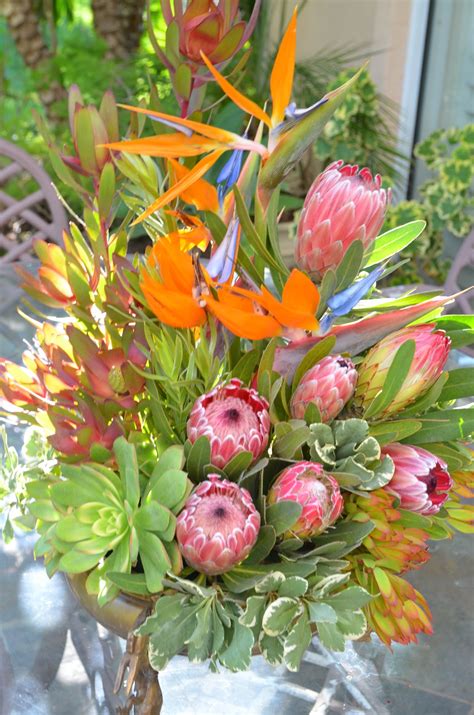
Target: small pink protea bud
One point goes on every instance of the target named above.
(318, 493)
(421, 480)
(218, 526)
(328, 385)
(431, 354)
(234, 418)
(343, 205)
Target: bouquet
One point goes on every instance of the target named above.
(258, 454)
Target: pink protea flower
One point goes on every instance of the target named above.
(328, 385)
(421, 480)
(318, 493)
(218, 526)
(431, 354)
(234, 418)
(343, 205)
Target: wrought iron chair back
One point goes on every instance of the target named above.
(37, 214)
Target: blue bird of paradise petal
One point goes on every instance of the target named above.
(221, 265)
(342, 303)
(293, 115)
(229, 174)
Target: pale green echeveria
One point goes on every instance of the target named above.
(102, 521)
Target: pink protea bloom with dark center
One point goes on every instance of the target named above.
(318, 493)
(234, 418)
(329, 385)
(421, 480)
(218, 526)
(343, 205)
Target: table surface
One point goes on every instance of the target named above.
(55, 660)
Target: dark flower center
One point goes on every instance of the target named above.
(219, 512)
(343, 362)
(232, 414)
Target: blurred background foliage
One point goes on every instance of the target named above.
(47, 45)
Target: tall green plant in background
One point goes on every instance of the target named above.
(446, 202)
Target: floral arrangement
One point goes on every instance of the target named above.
(261, 453)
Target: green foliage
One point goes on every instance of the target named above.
(360, 131)
(279, 617)
(35, 461)
(446, 203)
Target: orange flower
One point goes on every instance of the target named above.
(182, 295)
(201, 194)
(281, 80)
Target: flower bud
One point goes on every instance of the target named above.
(328, 385)
(318, 493)
(431, 354)
(343, 205)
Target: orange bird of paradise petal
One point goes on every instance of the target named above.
(246, 104)
(238, 315)
(167, 145)
(201, 194)
(281, 78)
(223, 137)
(182, 185)
(298, 305)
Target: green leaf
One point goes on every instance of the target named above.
(169, 639)
(77, 562)
(167, 608)
(199, 456)
(169, 488)
(287, 445)
(129, 582)
(394, 431)
(128, 466)
(460, 383)
(283, 515)
(253, 614)
(272, 649)
(253, 236)
(279, 615)
(349, 267)
(106, 190)
(152, 517)
(263, 546)
(270, 582)
(200, 643)
(294, 586)
(352, 624)
(350, 598)
(246, 366)
(394, 379)
(70, 529)
(393, 241)
(451, 424)
(43, 509)
(239, 653)
(313, 356)
(237, 465)
(331, 637)
(297, 642)
(321, 612)
(155, 560)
